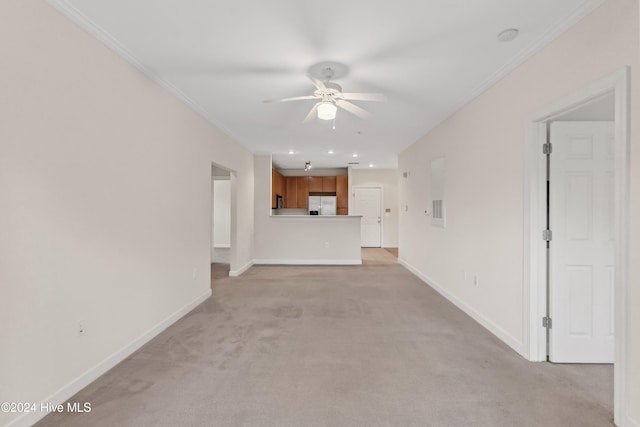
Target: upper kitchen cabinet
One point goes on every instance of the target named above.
(291, 192)
(322, 184)
(328, 184)
(302, 187)
(342, 194)
(277, 187)
(315, 184)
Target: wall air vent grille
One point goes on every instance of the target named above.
(438, 199)
(437, 209)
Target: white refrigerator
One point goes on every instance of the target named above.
(322, 205)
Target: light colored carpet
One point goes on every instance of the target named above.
(362, 346)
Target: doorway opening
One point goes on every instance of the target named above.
(538, 264)
(221, 221)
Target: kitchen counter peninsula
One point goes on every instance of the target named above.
(310, 239)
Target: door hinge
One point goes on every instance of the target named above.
(546, 322)
(546, 235)
(547, 148)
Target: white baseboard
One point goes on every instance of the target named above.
(390, 246)
(632, 423)
(238, 272)
(222, 245)
(486, 323)
(67, 391)
(356, 261)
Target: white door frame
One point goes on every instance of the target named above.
(535, 264)
(377, 187)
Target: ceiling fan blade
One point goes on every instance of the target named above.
(353, 109)
(364, 96)
(312, 114)
(295, 98)
(317, 83)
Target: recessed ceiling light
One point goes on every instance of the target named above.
(354, 155)
(330, 151)
(370, 165)
(508, 35)
(292, 152)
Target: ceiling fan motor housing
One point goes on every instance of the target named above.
(332, 89)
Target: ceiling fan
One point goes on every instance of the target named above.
(330, 96)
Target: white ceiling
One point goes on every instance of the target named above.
(225, 57)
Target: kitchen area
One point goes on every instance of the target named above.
(321, 195)
(302, 218)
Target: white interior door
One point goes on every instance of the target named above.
(368, 203)
(581, 257)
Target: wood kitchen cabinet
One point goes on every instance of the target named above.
(295, 190)
(291, 192)
(277, 187)
(328, 184)
(342, 195)
(315, 184)
(273, 188)
(302, 187)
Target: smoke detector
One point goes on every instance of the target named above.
(508, 35)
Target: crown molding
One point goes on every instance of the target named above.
(537, 45)
(79, 18)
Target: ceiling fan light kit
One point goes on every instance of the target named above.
(327, 110)
(330, 95)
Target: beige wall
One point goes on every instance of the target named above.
(105, 184)
(221, 213)
(483, 146)
(387, 179)
(633, 298)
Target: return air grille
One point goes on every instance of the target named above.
(437, 209)
(438, 198)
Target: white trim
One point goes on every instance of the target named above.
(222, 245)
(554, 31)
(551, 34)
(307, 261)
(67, 391)
(534, 271)
(75, 15)
(391, 246)
(238, 272)
(381, 213)
(475, 315)
(631, 423)
(534, 295)
(317, 217)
